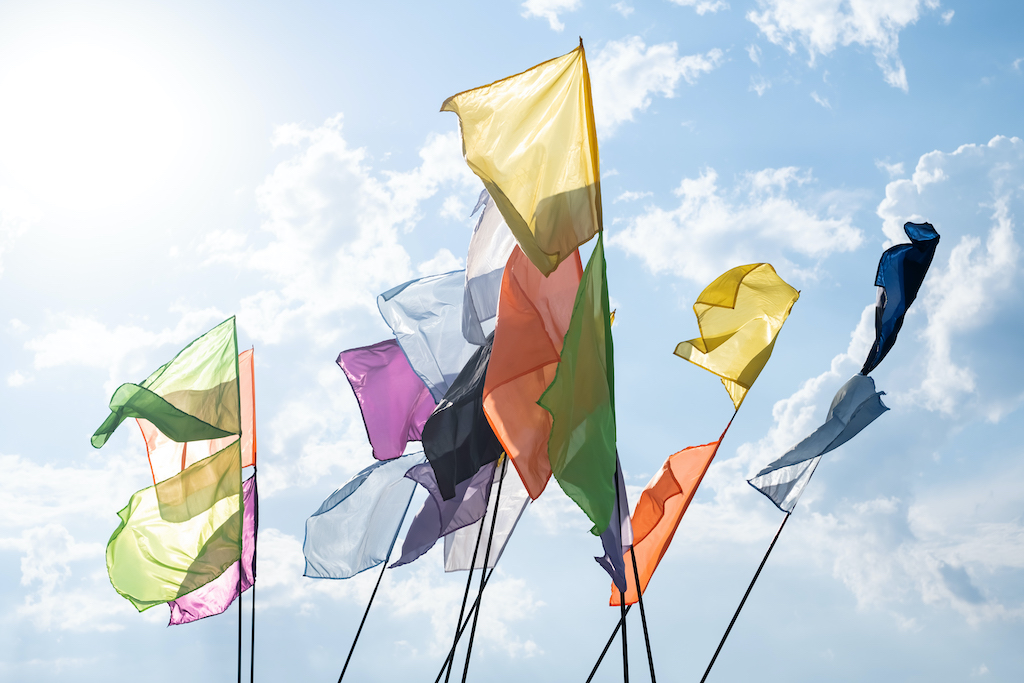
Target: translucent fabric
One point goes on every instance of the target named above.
(179, 534)
(167, 457)
(217, 596)
(617, 538)
(489, 249)
(581, 400)
(192, 398)
(531, 139)
(855, 406)
(394, 401)
(659, 511)
(533, 317)
(739, 315)
(355, 528)
(426, 317)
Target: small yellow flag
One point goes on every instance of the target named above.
(739, 316)
(531, 139)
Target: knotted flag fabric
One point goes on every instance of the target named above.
(394, 401)
(739, 316)
(180, 534)
(581, 400)
(489, 249)
(901, 271)
(659, 511)
(617, 538)
(531, 139)
(459, 545)
(438, 516)
(167, 457)
(193, 397)
(426, 317)
(855, 406)
(217, 595)
(533, 317)
(355, 528)
(457, 439)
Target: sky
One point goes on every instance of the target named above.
(165, 166)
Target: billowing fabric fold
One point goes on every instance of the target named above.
(617, 538)
(489, 248)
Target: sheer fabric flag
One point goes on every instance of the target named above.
(533, 316)
(617, 538)
(581, 400)
(193, 397)
(459, 544)
(438, 516)
(356, 526)
(901, 272)
(659, 511)
(426, 317)
(217, 596)
(531, 139)
(855, 406)
(489, 249)
(394, 401)
(457, 439)
(167, 457)
(739, 315)
(180, 534)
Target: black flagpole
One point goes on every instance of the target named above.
(622, 595)
(611, 639)
(256, 530)
(368, 605)
(643, 615)
(749, 588)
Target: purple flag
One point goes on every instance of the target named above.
(216, 596)
(439, 517)
(393, 399)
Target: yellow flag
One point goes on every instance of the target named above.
(531, 139)
(739, 316)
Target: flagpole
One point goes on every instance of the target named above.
(622, 595)
(252, 640)
(625, 656)
(607, 645)
(643, 615)
(749, 588)
(367, 612)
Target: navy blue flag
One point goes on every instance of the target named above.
(617, 538)
(900, 274)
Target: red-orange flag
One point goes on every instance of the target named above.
(659, 511)
(533, 316)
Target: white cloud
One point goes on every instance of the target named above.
(894, 170)
(823, 25)
(550, 9)
(444, 261)
(759, 84)
(631, 196)
(1017, 63)
(623, 8)
(823, 101)
(16, 379)
(703, 6)
(758, 220)
(947, 17)
(16, 217)
(17, 326)
(454, 208)
(754, 52)
(627, 72)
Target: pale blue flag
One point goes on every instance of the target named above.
(489, 248)
(356, 527)
(426, 317)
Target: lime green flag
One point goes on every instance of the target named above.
(581, 400)
(193, 397)
(180, 534)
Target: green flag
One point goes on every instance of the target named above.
(180, 534)
(191, 398)
(581, 400)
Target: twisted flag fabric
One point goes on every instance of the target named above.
(489, 249)
(531, 139)
(356, 526)
(217, 595)
(193, 397)
(739, 315)
(533, 317)
(901, 271)
(426, 317)
(617, 538)
(855, 406)
(394, 401)
(581, 400)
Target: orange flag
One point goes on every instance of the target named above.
(659, 511)
(533, 316)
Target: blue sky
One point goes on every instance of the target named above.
(163, 167)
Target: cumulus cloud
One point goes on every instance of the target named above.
(894, 170)
(759, 84)
(759, 219)
(702, 7)
(823, 101)
(623, 8)
(550, 9)
(626, 73)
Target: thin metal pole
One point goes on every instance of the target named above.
(625, 655)
(611, 639)
(749, 588)
(643, 615)
(368, 605)
(256, 529)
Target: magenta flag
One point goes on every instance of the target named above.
(216, 596)
(393, 399)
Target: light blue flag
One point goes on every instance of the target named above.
(355, 529)
(855, 406)
(426, 317)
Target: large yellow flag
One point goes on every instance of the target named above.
(531, 139)
(739, 316)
